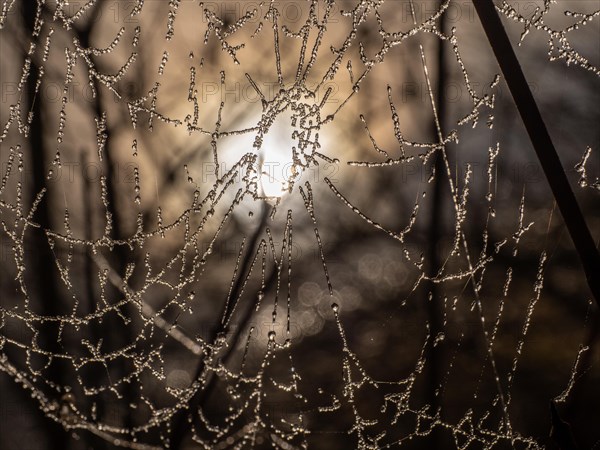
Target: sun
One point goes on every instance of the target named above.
(277, 168)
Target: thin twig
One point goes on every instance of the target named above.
(147, 310)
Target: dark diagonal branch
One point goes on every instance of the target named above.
(542, 143)
(181, 424)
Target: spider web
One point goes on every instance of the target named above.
(199, 220)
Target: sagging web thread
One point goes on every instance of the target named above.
(305, 105)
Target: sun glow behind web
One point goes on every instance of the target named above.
(279, 164)
(277, 169)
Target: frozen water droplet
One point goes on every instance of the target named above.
(438, 339)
